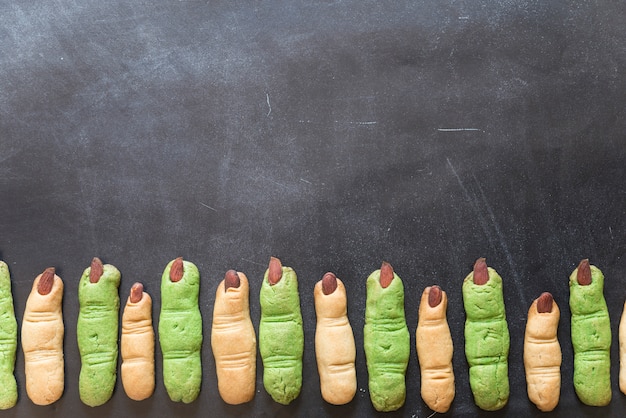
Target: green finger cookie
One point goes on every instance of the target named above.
(486, 337)
(591, 335)
(180, 330)
(281, 335)
(97, 332)
(8, 341)
(386, 339)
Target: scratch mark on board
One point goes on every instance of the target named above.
(485, 227)
(253, 262)
(305, 181)
(284, 186)
(472, 202)
(505, 247)
(267, 98)
(208, 207)
(360, 123)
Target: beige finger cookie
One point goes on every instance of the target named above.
(137, 345)
(42, 339)
(622, 351)
(542, 353)
(335, 348)
(433, 342)
(233, 340)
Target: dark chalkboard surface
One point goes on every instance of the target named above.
(331, 134)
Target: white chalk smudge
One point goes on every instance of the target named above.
(458, 129)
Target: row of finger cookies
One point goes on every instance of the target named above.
(281, 339)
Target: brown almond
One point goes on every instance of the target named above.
(231, 279)
(544, 302)
(177, 270)
(329, 283)
(136, 292)
(96, 271)
(434, 296)
(386, 274)
(46, 281)
(481, 274)
(583, 276)
(275, 271)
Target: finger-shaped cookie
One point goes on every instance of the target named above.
(97, 332)
(281, 335)
(622, 351)
(591, 335)
(433, 342)
(180, 330)
(542, 353)
(137, 345)
(8, 341)
(335, 349)
(486, 337)
(386, 339)
(233, 340)
(42, 339)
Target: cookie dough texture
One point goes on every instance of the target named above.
(97, 333)
(433, 342)
(137, 348)
(233, 341)
(542, 357)
(8, 341)
(281, 337)
(591, 339)
(42, 343)
(386, 342)
(486, 341)
(335, 349)
(180, 334)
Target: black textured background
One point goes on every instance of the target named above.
(332, 134)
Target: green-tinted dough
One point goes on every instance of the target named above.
(180, 334)
(8, 341)
(487, 341)
(591, 338)
(387, 343)
(281, 337)
(97, 333)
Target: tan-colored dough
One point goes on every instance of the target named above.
(433, 342)
(334, 345)
(233, 341)
(622, 351)
(42, 342)
(137, 349)
(542, 357)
